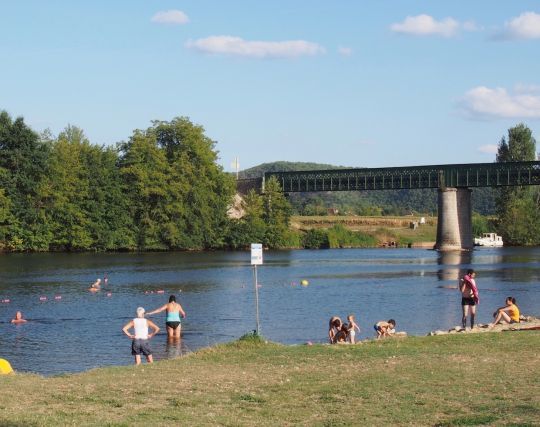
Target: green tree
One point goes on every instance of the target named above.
(24, 162)
(146, 175)
(276, 215)
(198, 181)
(178, 194)
(251, 227)
(517, 207)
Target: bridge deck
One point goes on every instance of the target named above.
(411, 177)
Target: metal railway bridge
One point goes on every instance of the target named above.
(454, 229)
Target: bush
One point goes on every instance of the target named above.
(341, 237)
(315, 239)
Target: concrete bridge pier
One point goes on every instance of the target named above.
(454, 225)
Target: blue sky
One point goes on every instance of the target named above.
(355, 83)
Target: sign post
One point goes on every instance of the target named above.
(256, 259)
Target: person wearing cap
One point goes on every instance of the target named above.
(140, 338)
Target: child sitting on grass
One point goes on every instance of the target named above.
(385, 329)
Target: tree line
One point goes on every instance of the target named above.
(162, 189)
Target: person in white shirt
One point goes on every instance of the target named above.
(140, 339)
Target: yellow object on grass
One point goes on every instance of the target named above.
(5, 367)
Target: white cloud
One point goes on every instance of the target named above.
(485, 103)
(526, 88)
(525, 26)
(236, 46)
(425, 25)
(488, 149)
(175, 17)
(470, 26)
(345, 51)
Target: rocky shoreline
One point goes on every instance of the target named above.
(526, 323)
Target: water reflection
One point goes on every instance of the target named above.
(174, 348)
(453, 264)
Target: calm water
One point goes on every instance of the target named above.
(82, 330)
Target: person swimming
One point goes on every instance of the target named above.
(18, 318)
(96, 286)
(172, 320)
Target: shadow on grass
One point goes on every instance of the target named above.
(470, 420)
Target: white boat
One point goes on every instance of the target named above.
(489, 239)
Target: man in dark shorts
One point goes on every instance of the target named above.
(469, 297)
(141, 336)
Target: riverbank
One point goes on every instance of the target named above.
(442, 380)
(372, 231)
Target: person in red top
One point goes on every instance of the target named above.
(469, 297)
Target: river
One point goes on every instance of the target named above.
(74, 330)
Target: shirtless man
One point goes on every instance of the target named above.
(469, 297)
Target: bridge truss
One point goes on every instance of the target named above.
(412, 177)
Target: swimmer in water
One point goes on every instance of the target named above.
(96, 286)
(172, 321)
(18, 318)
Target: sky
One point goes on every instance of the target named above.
(352, 83)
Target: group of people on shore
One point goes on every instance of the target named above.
(341, 333)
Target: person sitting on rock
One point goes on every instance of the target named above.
(507, 314)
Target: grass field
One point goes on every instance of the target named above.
(383, 228)
(453, 380)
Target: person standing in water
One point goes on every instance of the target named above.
(172, 321)
(139, 345)
(469, 297)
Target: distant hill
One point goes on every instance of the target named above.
(380, 202)
(281, 166)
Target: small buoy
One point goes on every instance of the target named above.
(161, 291)
(43, 298)
(58, 297)
(109, 294)
(304, 282)
(5, 367)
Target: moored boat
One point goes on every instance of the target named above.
(489, 239)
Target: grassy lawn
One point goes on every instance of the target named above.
(383, 228)
(472, 379)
